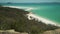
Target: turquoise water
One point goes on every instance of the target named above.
(50, 11)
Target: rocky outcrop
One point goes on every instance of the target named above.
(11, 32)
(56, 31)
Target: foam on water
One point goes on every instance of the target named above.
(32, 16)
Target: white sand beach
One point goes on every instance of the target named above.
(21, 7)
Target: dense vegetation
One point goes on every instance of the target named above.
(12, 18)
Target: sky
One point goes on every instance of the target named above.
(28, 1)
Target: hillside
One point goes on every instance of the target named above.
(13, 18)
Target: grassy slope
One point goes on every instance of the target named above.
(12, 18)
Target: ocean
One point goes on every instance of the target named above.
(49, 11)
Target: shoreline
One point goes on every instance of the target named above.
(36, 17)
(44, 20)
